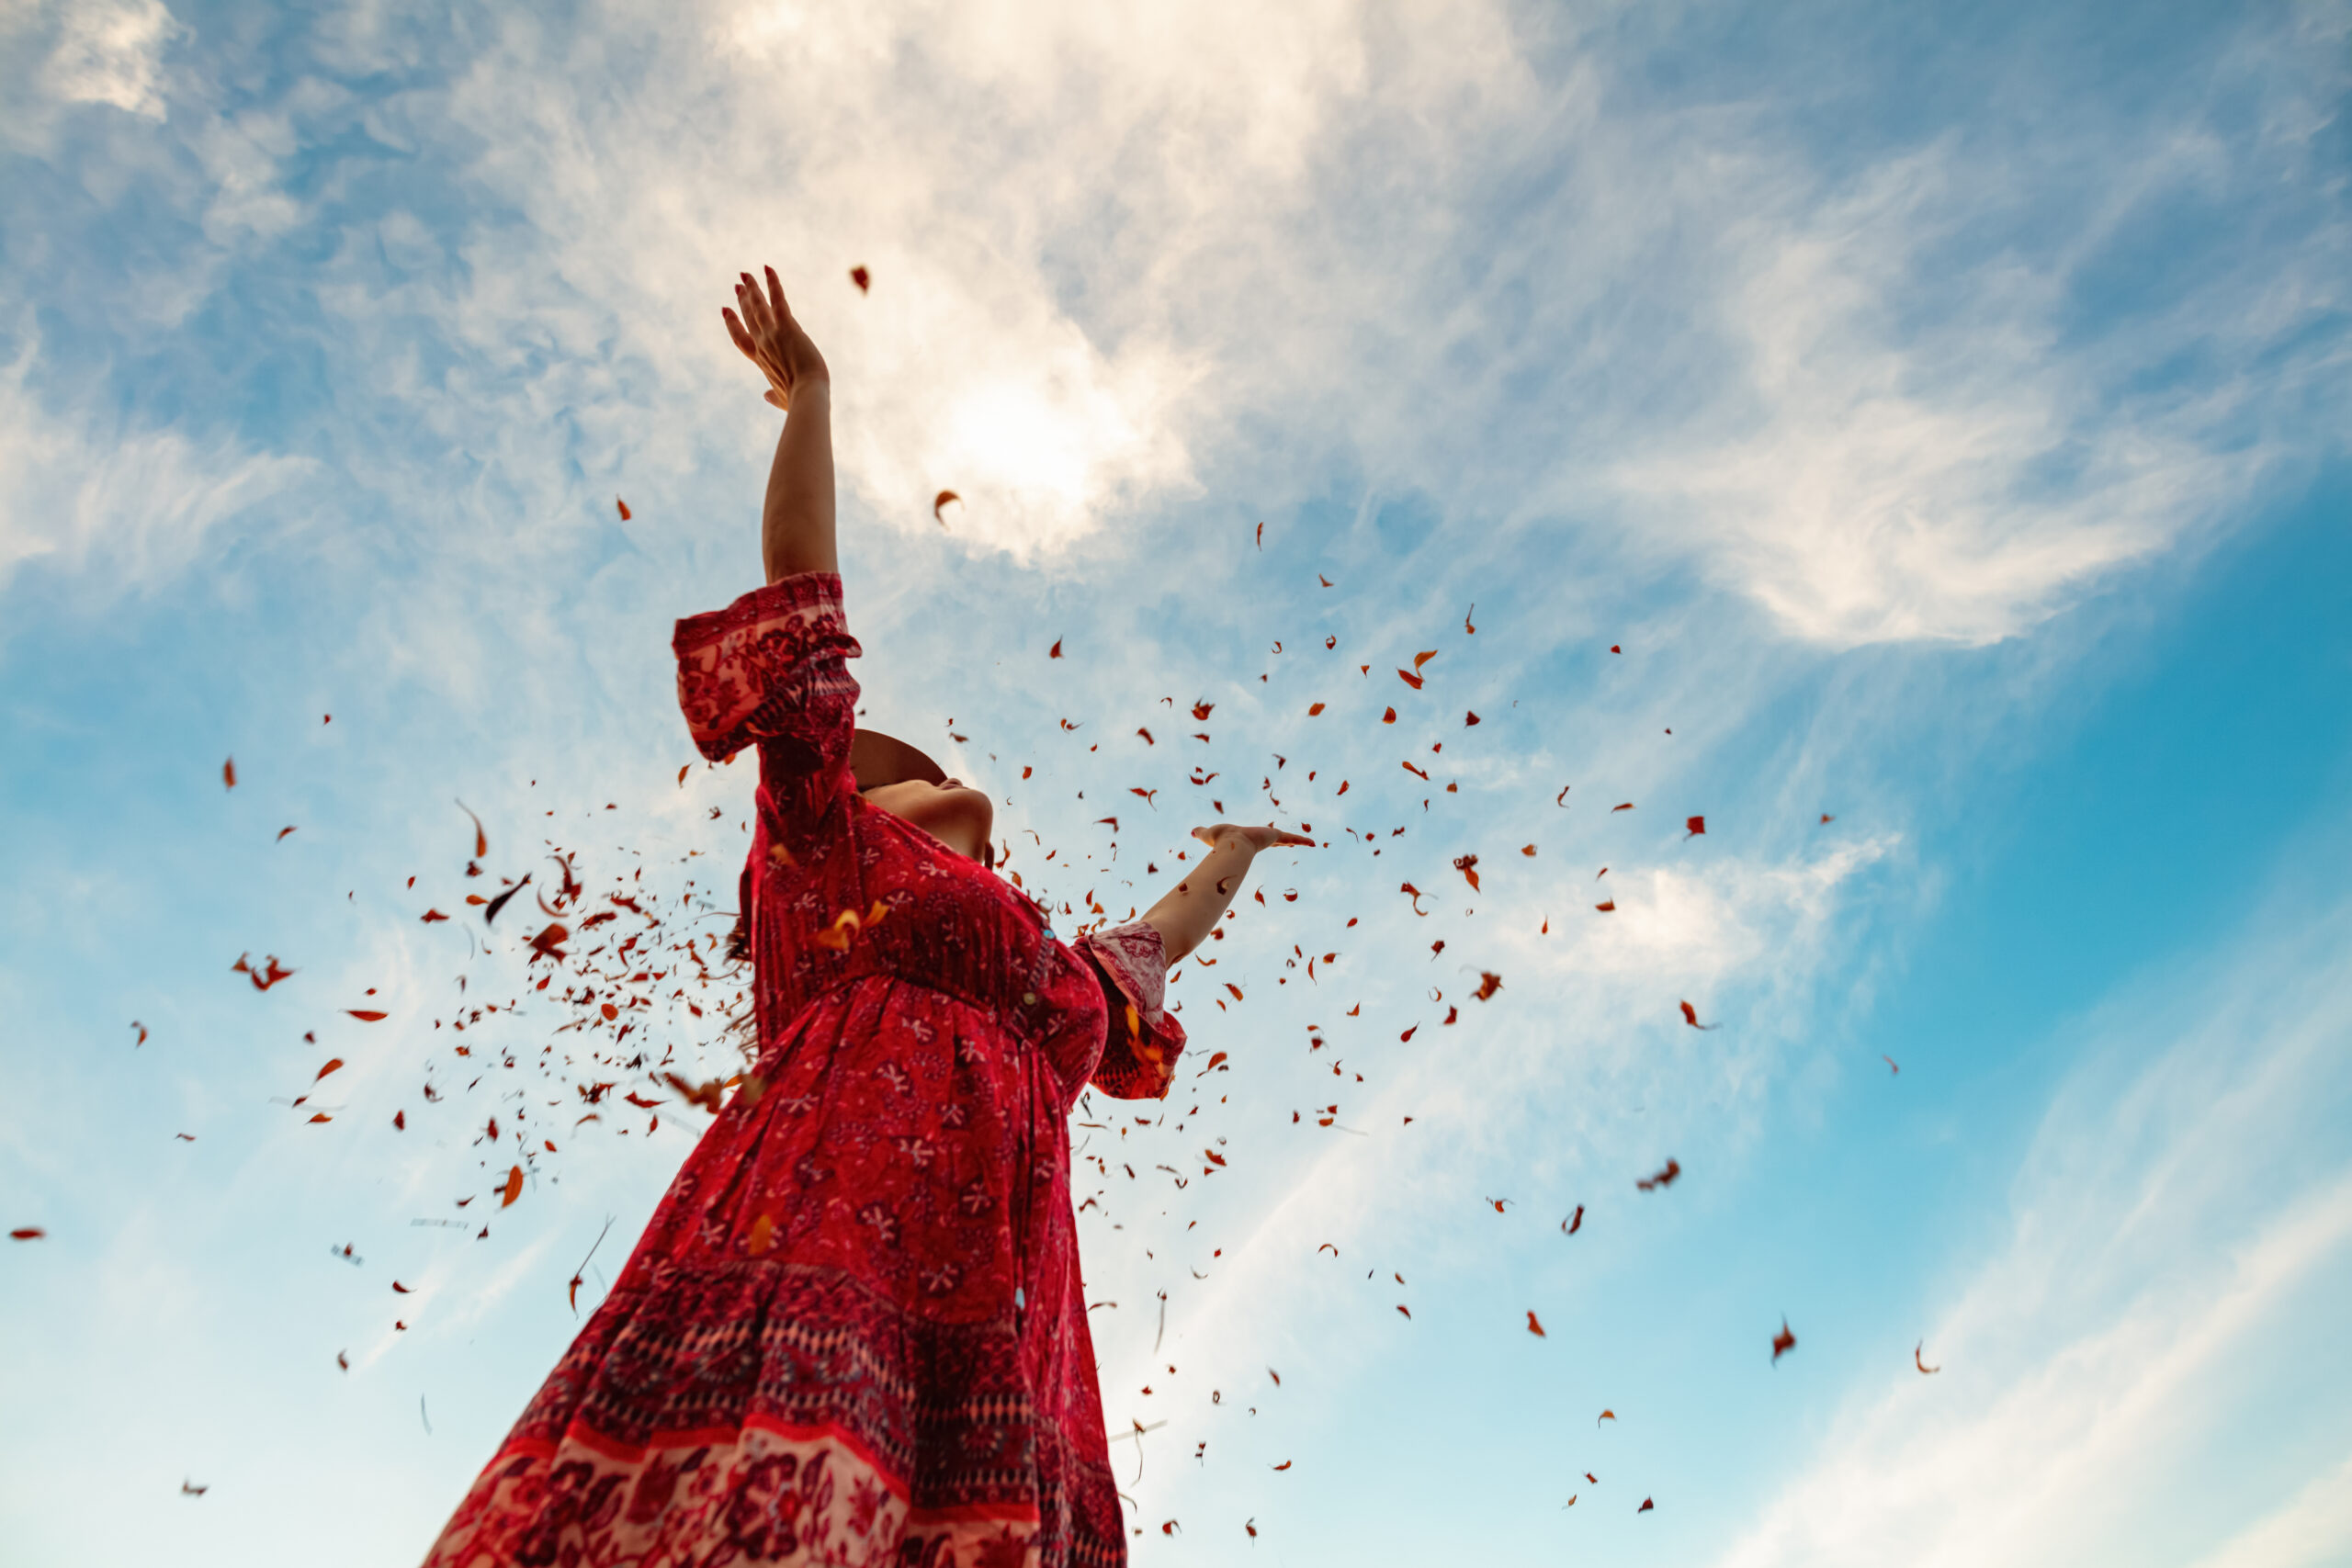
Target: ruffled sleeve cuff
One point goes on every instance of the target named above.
(772, 666)
(1139, 1057)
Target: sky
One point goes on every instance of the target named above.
(1908, 439)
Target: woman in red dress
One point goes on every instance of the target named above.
(854, 1332)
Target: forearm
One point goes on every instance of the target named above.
(1187, 913)
(796, 523)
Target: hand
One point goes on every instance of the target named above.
(772, 339)
(1251, 839)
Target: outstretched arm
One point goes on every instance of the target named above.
(796, 523)
(1186, 915)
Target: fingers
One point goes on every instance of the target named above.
(735, 330)
(775, 292)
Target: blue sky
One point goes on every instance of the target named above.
(1943, 414)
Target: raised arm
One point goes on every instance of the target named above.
(1189, 912)
(796, 523)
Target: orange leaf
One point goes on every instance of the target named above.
(1284, 1465)
(367, 1015)
(322, 1116)
(1627, 806)
(229, 774)
(513, 1188)
(432, 915)
(1607, 908)
(1421, 659)
(333, 1063)
(1410, 679)
(1535, 1328)
(482, 840)
(623, 505)
(940, 499)
(1313, 709)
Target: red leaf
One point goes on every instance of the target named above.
(1663, 1179)
(1535, 1328)
(281, 834)
(623, 505)
(1646, 1506)
(863, 278)
(513, 1187)
(403, 1289)
(1782, 1342)
(1697, 825)
(432, 915)
(1468, 866)
(1609, 908)
(1627, 806)
(942, 499)
(482, 840)
(1614, 648)
(399, 1120)
(1469, 719)
(1574, 1223)
(1410, 679)
(333, 1063)
(1388, 718)
(26, 1233)
(1407, 1035)
(610, 1012)
(229, 774)
(1488, 984)
(1400, 1307)
(1690, 1017)
(1054, 651)
(1410, 769)
(343, 1360)
(1917, 1359)
(367, 1015)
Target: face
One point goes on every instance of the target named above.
(957, 815)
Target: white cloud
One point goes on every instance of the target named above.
(111, 51)
(122, 510)
(2310, 1530)
(2176, 1226)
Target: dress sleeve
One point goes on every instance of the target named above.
(1139, 1057)
(772, 670)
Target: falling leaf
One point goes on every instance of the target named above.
(1262, 535)
(1421, 659)
(513, 1188)
(1607, 907)
(1409, 1316)
(343, 1360)
(1917, 1359)
(1647, 1503)
(432, 915)
(1663, 1179)
(1488, 984)
(26, 1233)
(1604, 1416)
(1200, 712)
(1690, 1017)
(322, 1116)
(367, 1015)
(399, 1120)
(1465, 619)
(1627, 806)
(1388, 718)
(1697, 825)
(189, 1488)
(1284, 1465)
(1054, 651)
(1469, 719)
(143, 1035)
(229, 774)
(1574, 1223)
(1410, 679)
(403, 1289)
(281, 834)
(482, 840)
(1468, 866)
(1891, 1068)
(940, 499)
(1826, 818)
(1561, 799)
(1410, 769)
(499, 903)
(333, 1063)
(863, 278)
(1313, 709)
(1614, 648)
(1534, 1327)
(1782, 1342)
(623, 505)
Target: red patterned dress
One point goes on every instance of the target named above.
(854, 1332)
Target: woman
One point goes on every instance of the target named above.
(854, 1332)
